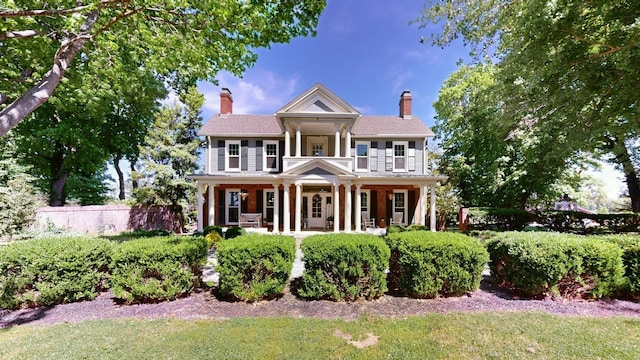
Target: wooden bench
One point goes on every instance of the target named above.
(250, 220)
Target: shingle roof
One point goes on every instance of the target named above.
(233, 124)
(392, 125)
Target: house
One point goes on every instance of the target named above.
(317, 163)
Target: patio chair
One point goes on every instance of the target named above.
(397, 218)
(367, 222)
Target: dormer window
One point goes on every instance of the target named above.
(232, 158)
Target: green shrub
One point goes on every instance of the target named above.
(485, 218)
(213, 239)
(150, 233)
(393, 229)
(344, 267)
(254, 267)
(156, 269)
(52, 271)
(213, 228)
(630, 245)
(579, 222)
(417, 227)
(539, 264)
(234, 232)
(428, 264)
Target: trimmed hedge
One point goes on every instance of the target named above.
(254, 267)
(52, 271)
(630, 245)
(427, 264)
(578, 222)
(344, 267)
(157, 269)
(485, 218)
(552, 264)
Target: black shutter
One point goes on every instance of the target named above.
(221, 150)
(374, 205)
(281, 153)
(221, 205)
(389, 209)
(244, 202)
(259, 155)
(244, 154)
(260, 203)
(412, 208)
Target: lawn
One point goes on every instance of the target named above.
(434, 336)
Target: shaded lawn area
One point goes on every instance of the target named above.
(434, 336)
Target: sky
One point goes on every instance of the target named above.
(367, 53)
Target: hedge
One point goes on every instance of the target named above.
(157, 269)
(255, 267)
(578, 222)
(426, 264)
(52, 271)
(344, 267)
(630, 245)
(551, 264)
(503, 219)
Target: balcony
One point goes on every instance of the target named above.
(291, 161)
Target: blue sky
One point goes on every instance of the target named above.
(364, 51)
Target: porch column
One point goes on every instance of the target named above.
(298, 141)
(347, 142)
(337, 142)
(422, 206)
(347, 207)
(276, 210)
(298, 208)
(212, 204)
(287, 141)
(432, 223)
(336, 207)
(286, 222)
(200, 202)
(358, 207)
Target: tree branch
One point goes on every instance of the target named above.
(18, 34)
(55, 12)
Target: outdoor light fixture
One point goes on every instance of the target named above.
(390, 196)
(244, 195)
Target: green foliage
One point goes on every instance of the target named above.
(429, 264)
(630, 245)
(498, 219)
(213, 239)
(552, 264)
(344, 267)
(209, 229)
(234, 232)
(52, 271)
(417, 227)
(579, 222)
(392, 229)
(157, 268)
(255, 267)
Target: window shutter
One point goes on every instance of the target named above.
(221, 206)
(221, 151)
(260, 203)
(412, 156)
(374, 205)
(244, 155)
(388, 162)
(259, 155)
(281, 153)
(373, 157)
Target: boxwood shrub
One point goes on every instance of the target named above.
(256, 266)
(630, 245)
(157, 269)
(503, 219)
(427, 264)
(551, 264)
(344, 267)
(52, 271)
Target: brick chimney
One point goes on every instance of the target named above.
(226, 102)
(405, 104)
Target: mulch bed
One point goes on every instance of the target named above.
(204, 305)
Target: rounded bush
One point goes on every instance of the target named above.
(213, 239)
(234, 232)
(213, 228)
(393, 229)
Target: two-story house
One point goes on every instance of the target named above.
(317, 163)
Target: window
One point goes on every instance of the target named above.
(400, 156)
(316, 206)
(362, 156)
(233, 206)
(400, 205)
(270, 159)
(232, 160)
(269, 202)
(317, 149)
(364, 200)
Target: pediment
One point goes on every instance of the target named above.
(320, 167)
(317, 100)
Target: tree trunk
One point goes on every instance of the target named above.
(116, 165)
(134, 180)
(623, 159)
(59, 174)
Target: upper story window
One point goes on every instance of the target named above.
(232, 158)
(400, 155)
(270, 159)
(362, 155)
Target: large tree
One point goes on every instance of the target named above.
(181, 40)
(568, 70)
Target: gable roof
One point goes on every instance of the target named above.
(318, 100)
(390, 125)
(234, 125)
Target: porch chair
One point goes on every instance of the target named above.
(397, 218)
(367, 222)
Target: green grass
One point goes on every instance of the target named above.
(434, 336)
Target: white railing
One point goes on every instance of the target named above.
(343, 162)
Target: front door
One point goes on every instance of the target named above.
(318, 209)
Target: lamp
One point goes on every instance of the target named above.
(244, 195)
(390, 196)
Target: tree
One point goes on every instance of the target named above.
(567, 70)
(181, 41)
(170, 153)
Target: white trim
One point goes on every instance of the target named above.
(264, 155)
(406, 156)
(355, 160)
(227, 205)
(368, 196)
(227, 156)
(265, 193)
(404, 208)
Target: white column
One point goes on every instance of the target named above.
(432, 223)
(200, 202)
(358, 207)
(298, 216)
(207, 166)
(337, 142)
(276, 209)
(336, 207)
(287, 141)
(422, 206)
(212, 204)
(347, 207)
(347, 142)
(286, 222)
(298, 141)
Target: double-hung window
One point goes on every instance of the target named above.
(232, 158)
(270, 158)
(269, 202)
(233, 206)
(362, 156)
(400, 204)
(400, 155)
